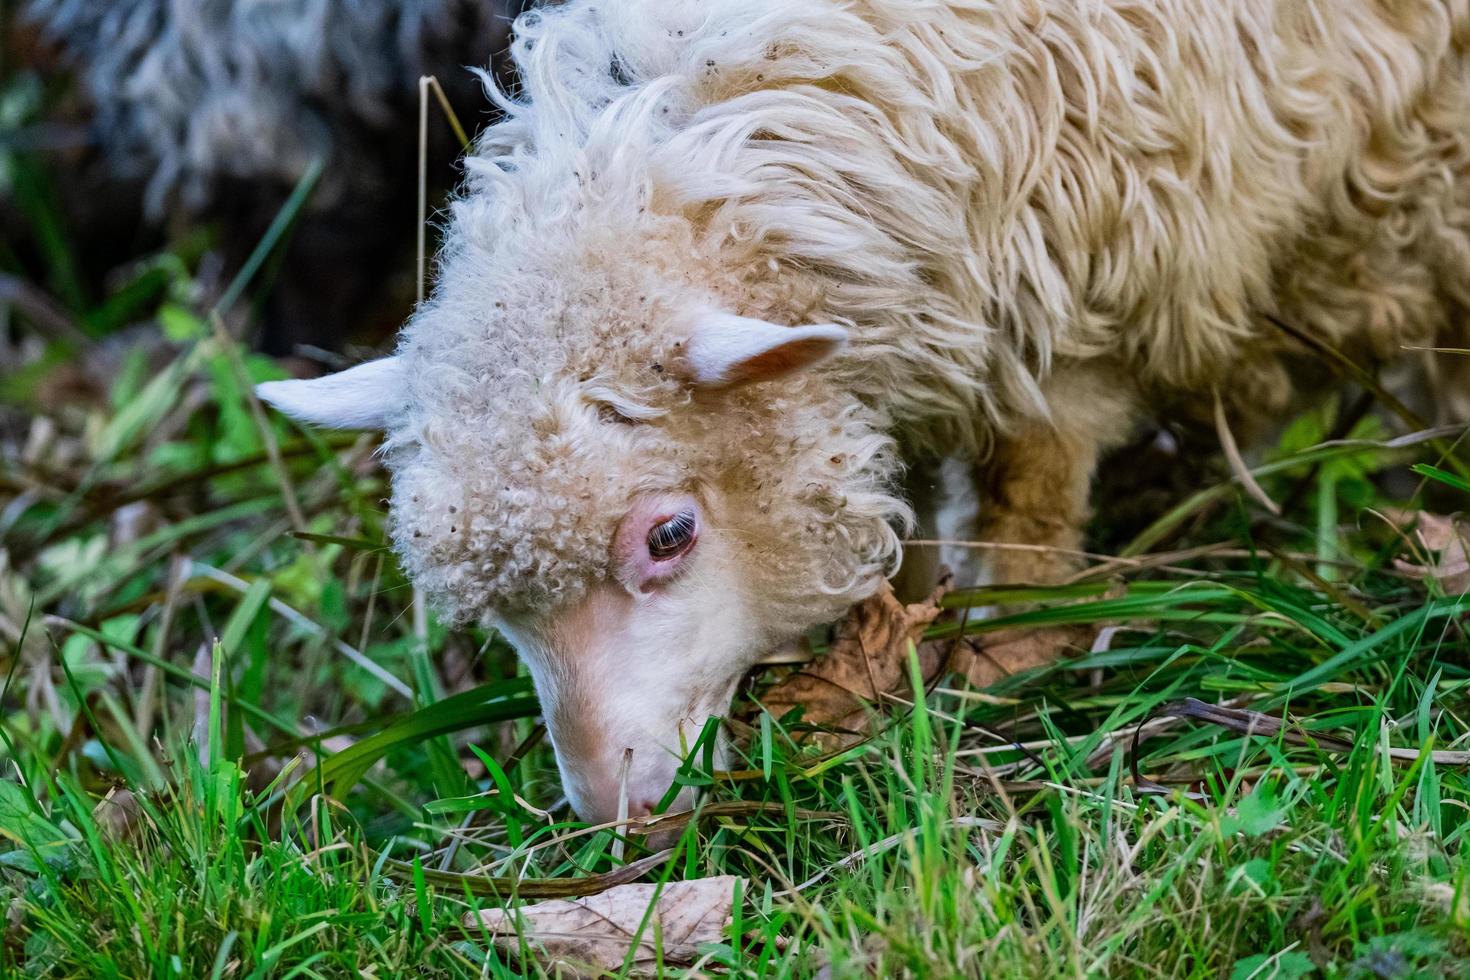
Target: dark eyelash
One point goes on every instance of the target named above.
(668, 538)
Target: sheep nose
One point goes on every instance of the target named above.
(605, 810)
(602, 808)
(656, 840)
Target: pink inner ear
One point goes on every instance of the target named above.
(726, 350)
(780, 360)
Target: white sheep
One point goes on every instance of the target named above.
(721, 260)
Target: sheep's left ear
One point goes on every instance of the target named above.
(725, 350)
(362, 397)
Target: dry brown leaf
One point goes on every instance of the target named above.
(1448, 540)
(992, 657)
(867, 660)
(588, 937)
(867, 664)
(1436, 532)
(117, 815)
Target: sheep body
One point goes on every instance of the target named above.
(1029, 213)
(1030, 220)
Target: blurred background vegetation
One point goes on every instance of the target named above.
(234, 744)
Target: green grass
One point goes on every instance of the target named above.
(296, 814)
(935, 849)
(233, 748)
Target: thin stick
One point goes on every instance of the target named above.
(423, 184)
(495, 887)
(1441, 350)
(367, 619)
(147, 701)
(316, 629)
(459, 133)
(45, 314)
(619, 840)
(262, 425)
(1237, 462)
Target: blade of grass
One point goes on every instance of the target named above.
(282, 222)
(498, 701)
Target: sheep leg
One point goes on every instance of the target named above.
(1034, 502)
(943, 496)
(1035, 491)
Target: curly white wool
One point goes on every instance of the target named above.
(982, 191)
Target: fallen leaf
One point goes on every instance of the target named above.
(588, 937)
(866, 667)
(117, 815)
(1447, 539)
(867, 662)
(992, 657)
(1437, 532)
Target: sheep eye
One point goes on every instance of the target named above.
(672, 537)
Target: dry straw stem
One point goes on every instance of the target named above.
(1237, 462)
(508, 888)
(427, 84)
(262, 424)
(1248, 722)
(48, 316)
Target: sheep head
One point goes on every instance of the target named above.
(644, 507)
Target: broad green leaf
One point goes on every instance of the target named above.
(180, 324)
(22, 823)
(1262, 966)
(1257, 814)
(499, 701)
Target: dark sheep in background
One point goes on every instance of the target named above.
(213, 109)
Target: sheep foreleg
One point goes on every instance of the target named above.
(1035, 491)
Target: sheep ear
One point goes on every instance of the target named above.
(725, 350)
(362, 397)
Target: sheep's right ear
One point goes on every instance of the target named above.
(362, 397)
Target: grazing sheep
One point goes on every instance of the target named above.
(723, 265)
